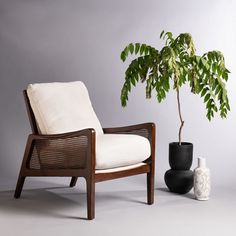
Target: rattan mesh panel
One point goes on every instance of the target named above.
(64, 153)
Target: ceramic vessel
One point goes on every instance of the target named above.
(180, 156)
(179, 179)
(201, 181)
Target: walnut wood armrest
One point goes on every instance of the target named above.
(147, 128)
(72, 150)
(84, 132)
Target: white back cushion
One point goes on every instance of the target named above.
(62, 107)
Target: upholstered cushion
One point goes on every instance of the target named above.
(62, 107)
(116, 150)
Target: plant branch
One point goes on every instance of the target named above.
(180, 116)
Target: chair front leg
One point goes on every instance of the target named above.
(90, 184)
(150, 188)
(151, 174)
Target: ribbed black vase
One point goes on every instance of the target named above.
(179, 179)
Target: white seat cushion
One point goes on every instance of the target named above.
(62, 107)
(116, 150)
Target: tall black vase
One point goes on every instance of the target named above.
(179, 179)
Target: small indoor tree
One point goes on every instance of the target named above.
(177, 62)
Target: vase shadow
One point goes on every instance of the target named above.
(187, 195)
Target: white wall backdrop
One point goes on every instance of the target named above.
(56, 40)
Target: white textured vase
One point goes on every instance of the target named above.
(201, 181)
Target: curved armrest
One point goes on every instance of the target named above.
(145, 129)
(84, 132)
(72, 150)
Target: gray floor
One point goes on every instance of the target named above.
(48, 206)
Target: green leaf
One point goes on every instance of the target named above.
(215, 108)
(133, 81)
(122, 56)
(198, 59)
(166, 84)
(162, 32)
(158, 97)
(209, 104)
(204, 92)
(225, 76)
(228, 106)
(143, 46)
(207, 97)
(126, 50)
(162, 93)
(137, 46)
(169, 35)
(146, 52)
(204, 63)
(209, 56)
(131, 48)
(129, 87)
(214, 67)
(208, 116)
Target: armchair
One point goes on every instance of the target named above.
(79, 147)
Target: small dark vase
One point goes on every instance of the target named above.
(179, 179)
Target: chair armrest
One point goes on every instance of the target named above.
(146, 130)
(72, 150)
(83, 132)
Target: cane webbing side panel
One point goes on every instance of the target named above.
(64, 153)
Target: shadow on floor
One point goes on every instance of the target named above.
(57, 201)
(189, 195)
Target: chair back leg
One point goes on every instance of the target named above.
(73, 181)
(150, 188)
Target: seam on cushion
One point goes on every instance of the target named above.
(39, 113)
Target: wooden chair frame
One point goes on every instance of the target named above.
(88, 172)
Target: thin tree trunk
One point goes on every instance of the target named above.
(180, 116)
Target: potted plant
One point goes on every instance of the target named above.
(174, 65)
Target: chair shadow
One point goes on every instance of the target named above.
(52, 201)
(43, 202)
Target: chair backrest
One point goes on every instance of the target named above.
(60, 107)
